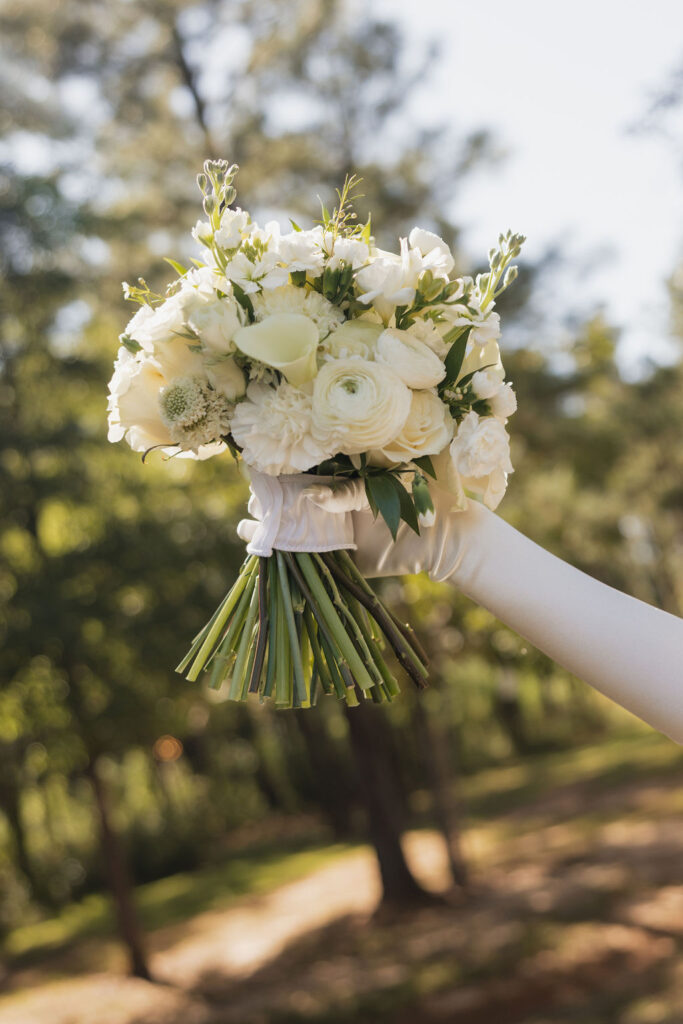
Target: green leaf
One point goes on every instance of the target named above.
(294, 224)
(408, 510)
(426, 464)
(130, 343)
(382, 492)
(178, 267)
(298, 278)
(468, 376)
(456, 357)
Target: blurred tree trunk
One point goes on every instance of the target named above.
(381, 796)
(10, 803)
(327, 775)
(119, 879)
(432, 744)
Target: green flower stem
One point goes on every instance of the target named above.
(404, 628)
(225, 652)
(273, 628)
(357, 637)
(249, 667)
(243, 649)
(318, 661)
(294, 648)
(341, 637)
(282, 657)
(260, 653)
(222, 617)
(404, 652)
(390, 684)
(341, 677)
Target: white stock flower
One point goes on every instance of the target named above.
(486, 328)
(234, 224)
(309, 303)
(354, 338)
(486, 383)
(427, 430)
(352, 251)
(286, 341)
(202, 232)
(504, 402)
(361, 404)
(437, 255)
(480, 452)
(273, 426)
(413, 361)
(301, 251)
(388, 280)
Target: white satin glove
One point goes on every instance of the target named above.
(623, 647)
(300, 512)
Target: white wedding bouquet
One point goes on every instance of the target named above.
(341, 375)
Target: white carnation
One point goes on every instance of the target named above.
(426, 431)
(363, 405)
(273, 426)
(305, 301)
(416, 364)
(480, 453)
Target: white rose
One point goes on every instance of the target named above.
(353, 338)
(274, 428)
(363, 405)
(216, 322)
(226, 377)
(439, 258)
(426, 431)
(301, 250)
(412, 360)
(481, 455)
(286, 341)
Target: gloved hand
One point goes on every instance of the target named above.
(623, 647)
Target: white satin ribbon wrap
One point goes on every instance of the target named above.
(300, 512)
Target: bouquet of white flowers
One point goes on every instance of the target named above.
(342, 376)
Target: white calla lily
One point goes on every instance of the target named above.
(286, 341)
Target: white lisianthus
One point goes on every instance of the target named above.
(389, 280)
(274, 428)
(427, 430)
(286, 341)
(425, 330)
(305, 301)
(361, 404)
(480, 452)
(352, 251)
(302, 251)
(234, 224)
(152, 325)
(437, 255)
(226, 377)
(413, 361)
(215, 322)
(354, 338)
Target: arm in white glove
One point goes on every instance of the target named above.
(623, 647)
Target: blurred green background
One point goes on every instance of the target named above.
(520, 835)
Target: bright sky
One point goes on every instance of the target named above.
(560, 85)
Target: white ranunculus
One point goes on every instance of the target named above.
(215, 322)
(291, 299)
(438, 256)
(413, 361)
(480, 452)
(361, 404)
(234, 224)
(302, 251)
(354, 338)
(226, 377)
(274, 428)
(286, 341)
(427, 430)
